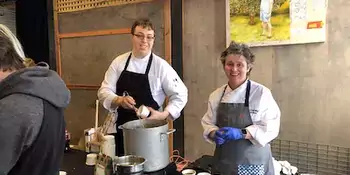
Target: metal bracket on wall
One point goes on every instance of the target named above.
(79, 5)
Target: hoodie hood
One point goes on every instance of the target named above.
(39, 82)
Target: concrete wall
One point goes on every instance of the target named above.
(309, 82)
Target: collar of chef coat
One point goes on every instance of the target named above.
(239, 91)
(147, 56)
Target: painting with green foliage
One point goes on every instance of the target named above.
(250, 22)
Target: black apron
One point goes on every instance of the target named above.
(240, 157)
(137, 86)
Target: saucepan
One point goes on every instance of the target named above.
(129, 164)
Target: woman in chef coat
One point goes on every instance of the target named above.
(140, 77)
(242, 118)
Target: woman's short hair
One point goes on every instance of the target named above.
(238, 49)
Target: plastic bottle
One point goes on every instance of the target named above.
(67, 147)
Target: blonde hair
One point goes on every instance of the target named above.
(16, 44)
(28, 62)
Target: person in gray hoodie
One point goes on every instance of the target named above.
(32, 102)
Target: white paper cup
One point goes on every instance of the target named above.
(108, 150)
(108, 146)
(63, 173)
(143, 111)
(109, 140)
(188, 172)
(91, 159)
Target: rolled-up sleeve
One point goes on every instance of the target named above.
(267, 128)
(107, 91)
(176, 90)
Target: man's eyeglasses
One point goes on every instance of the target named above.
(141, 37)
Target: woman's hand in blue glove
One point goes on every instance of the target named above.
(230, 133)
(219, 137)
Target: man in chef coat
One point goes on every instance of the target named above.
(140, 77)
(242, 118)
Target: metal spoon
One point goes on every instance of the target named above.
(141, 119)
(125, 93)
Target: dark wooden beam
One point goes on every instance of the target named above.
(176, 61)
(51, 34)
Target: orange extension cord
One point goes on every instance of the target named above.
(180, 162)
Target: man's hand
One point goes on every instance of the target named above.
(126, 102)
(157, 115)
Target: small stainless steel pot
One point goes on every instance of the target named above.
(129, 164)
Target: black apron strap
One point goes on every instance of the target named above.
(127, 62)
(149, 64)
(223, 93)
(247, 94)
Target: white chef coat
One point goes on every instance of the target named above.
(163, 80)
(263, 109)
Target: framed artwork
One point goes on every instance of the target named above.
(276, 22)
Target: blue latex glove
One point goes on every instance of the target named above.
(219, 138)
(230, 133)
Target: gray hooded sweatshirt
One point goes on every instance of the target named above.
(21, 109)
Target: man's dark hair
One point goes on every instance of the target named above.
(9, 59)
(144, 23)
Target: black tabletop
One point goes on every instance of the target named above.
(74, 163)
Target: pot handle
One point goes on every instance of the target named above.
(164, 134)
(120, 127)
(169, 132)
